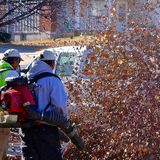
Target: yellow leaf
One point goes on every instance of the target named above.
(120, 61)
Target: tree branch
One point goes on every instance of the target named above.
(4, 22)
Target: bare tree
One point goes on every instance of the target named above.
(13, 11)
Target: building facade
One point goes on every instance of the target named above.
(62, 18)
(35, 26)
(74, 17)
(88, 16)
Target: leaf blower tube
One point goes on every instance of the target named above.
(56, 119)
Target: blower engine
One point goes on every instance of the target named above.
(14, 95)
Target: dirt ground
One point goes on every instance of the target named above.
(58, 42)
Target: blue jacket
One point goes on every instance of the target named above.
(49, 89)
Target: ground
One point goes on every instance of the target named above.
(57, 42)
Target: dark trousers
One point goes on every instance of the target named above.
(41, 143)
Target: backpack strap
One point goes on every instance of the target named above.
(42, 75)
(5, 69)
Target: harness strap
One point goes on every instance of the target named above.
(43, 75)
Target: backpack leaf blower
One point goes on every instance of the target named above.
(17, 99)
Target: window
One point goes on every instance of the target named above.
(66, 63)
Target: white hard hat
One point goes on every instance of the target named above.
(12, 53)
(47, 55)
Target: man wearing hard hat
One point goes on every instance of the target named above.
(8, 68)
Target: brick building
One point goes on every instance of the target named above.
(74, 17)
(39, 25)
(62, 18)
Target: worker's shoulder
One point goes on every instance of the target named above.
(46, 75)
(53, 78)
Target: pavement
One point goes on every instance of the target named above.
(21, 48)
